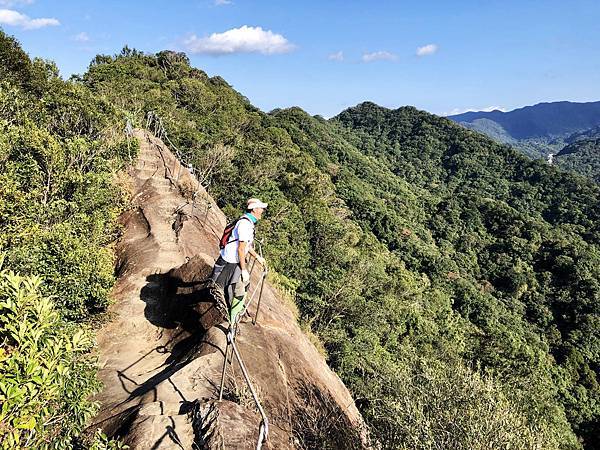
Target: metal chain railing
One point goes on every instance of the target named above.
(263, 430)
(258, 288)
(128, 130)
(155, 125)
(231, 335)
(263, 277)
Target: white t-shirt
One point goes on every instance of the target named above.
(243, 232)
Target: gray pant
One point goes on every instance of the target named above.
(228, 276)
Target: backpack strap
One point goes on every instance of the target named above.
(229, 231)
(244, 217)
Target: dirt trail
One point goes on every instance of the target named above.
(161, 369)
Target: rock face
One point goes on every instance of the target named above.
(202, 302)
(162, 354)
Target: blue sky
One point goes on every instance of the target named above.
(324, 56)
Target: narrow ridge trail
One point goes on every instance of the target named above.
(161, 368)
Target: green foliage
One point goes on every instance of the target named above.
(58, 202)
(583, 157)
(46, 373)
(429, 404)
(18, 69)
(60, 151)
(101, 442)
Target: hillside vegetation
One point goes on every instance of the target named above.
(58, 209)
(453, 282)
(582, 156)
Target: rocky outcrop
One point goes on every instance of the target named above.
(162, 353)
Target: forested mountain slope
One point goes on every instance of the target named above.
(591, 133)
(434, 264)
(581, 156)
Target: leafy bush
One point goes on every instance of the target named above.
(46, 371)
(61, 150)
(58, 200)
(427, 404)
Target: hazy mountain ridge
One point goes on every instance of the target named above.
(536, 130)
(541, 120)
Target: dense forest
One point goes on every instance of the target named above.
(61, 149)
(581, 156)
(453, 282)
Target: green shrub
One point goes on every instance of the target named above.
(46, 371)
(429, 405)
(58, 199)
(61, 151)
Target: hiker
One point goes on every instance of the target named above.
(231, 270)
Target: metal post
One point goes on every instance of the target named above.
(263, 432)
(261, 436)
(208, 206)
(265, 422)
(262, 284)
(225, 358)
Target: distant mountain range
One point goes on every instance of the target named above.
(537, 130)
(539, 121)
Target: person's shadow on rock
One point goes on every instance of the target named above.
(170, 303)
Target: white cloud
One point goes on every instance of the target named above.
(494, 108)
(428, 49)
(379, 56)
(16, 19)
(337, 56)
(239, 40)
(223, 2)
(10, 3)
(82, 37)
(456, 111)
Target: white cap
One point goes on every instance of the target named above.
(255, 203)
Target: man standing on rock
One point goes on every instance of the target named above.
(231, 271)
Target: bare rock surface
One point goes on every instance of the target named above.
(162, 353)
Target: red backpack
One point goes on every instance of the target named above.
(228, 231)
